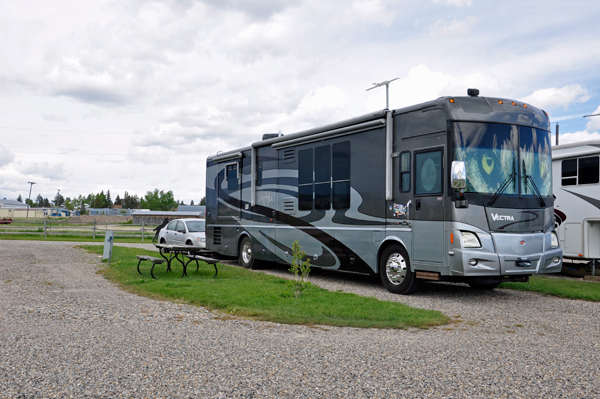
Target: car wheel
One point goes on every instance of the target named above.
(162, 241)
(246, 257)
(188, 242)
(395, 273)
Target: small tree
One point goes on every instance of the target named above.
(300, 267)
(19, 198)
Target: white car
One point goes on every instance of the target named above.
(184, 232)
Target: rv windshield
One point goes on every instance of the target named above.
(498, 157)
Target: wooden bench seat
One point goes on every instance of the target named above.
(155, 261)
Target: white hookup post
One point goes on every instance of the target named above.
(109, 237)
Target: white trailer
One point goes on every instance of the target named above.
(576, 181)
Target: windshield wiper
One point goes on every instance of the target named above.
(509, 179)
(536, 192)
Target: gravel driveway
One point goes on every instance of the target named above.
(67, 332)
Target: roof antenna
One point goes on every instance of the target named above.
(385, 83)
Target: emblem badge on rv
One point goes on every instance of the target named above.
(496, 216)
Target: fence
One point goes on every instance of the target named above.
(57, 227)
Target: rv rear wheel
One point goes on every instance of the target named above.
(246, 258)
(395, 273)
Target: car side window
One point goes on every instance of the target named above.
(180, 227)
(172, 225)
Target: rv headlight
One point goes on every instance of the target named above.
(470, 240)
(202, 239)
(554, 242)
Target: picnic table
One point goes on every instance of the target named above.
(180, 252)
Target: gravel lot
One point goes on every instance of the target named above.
(67, 332)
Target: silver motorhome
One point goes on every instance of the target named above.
(456, 189)
(576, 175)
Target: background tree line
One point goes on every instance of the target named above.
(153, 200)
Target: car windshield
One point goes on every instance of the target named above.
(196, 226)
(498, 157)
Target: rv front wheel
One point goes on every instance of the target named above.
(395, 273)
(246, 258)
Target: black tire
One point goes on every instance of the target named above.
(162, 241)
(395, 273)
(188, 242)
(245, 254)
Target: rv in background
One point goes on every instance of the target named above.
(455, 189)
(576, 171)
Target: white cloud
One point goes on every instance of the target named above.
(452, 29)
(181, 79)
(6, 156)
(369, 12)
(455, 3)
(554, 97)
(46, 170)
(593, 123)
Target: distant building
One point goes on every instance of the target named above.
(191, 208)
(157, 217)
(4, 203)
(110, 211)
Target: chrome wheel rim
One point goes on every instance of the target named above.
(396, 268)
(246, 253)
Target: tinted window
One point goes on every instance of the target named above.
(428, 173)
(172, 225)
(322, 164)
(588, 170)
(305, 167)
(305, 197)
(569, 172)
(323, 177)
(341, 161)
(405, 172)
(232, 177)
(341, 175)
(259, 172)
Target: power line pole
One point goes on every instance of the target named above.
(29, 201)
(57, 194)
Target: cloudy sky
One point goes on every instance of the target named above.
(133, 95)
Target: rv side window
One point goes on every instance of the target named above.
(588, 170)
(569, 172)
(323, 177)
(580, 171)
(305, 180)
(232, 177)
(341, 175)
(405, 172)
(259, 173)
(428, 173)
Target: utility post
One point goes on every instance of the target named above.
(29, 201)
(57, 194)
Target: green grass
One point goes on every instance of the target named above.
(76, 238)
(239, 292)
(563, 288)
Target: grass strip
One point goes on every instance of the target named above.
(245, 293)
(563, 288)
(74, 237)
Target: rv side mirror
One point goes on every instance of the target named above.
(458, 178)
(459, 175)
